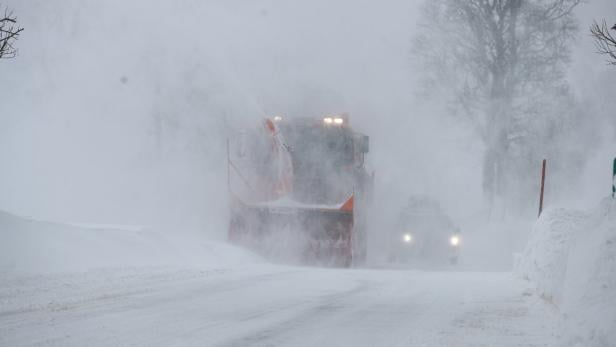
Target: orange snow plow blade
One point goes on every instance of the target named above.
(313, 235)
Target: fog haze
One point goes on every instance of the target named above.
(182, 173)
(117, 112)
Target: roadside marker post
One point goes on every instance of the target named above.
(614, 180)
(542, 187)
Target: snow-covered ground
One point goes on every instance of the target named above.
(268, 305)
(571, 261)
(31, 246)
(91, 285)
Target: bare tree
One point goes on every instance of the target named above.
(9, 32)
(496, 60)
(604, 41)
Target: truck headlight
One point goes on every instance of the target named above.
(454, 240)
(408, 238)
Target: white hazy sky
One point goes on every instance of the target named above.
(75, 142)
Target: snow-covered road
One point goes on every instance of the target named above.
(265, 305)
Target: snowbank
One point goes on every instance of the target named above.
(31, 246)
(544, 261)
(571, 259)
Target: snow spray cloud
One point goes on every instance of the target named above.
(117, 112)
(132, 129)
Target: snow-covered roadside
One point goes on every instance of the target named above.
(29, 246)
(571, 260)
(72, 285)
(268, 305)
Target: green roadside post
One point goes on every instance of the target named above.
(614, 180)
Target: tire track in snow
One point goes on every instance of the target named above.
(142, 294)
(334, 319)
(311, 310)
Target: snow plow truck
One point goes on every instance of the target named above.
(299, 190)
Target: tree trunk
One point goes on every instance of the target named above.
(496, 151)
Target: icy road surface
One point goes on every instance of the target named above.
(264, 305)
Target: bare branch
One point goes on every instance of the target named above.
(9, 32)
(605, 42)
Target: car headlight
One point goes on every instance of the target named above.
(408, 238)
(454, 240)
(329, 120)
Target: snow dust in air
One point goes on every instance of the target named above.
(116, 118)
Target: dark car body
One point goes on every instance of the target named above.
(423, 232)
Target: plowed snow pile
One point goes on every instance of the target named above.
(571, 259)
(30, 246)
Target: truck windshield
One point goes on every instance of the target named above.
(322, 163)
